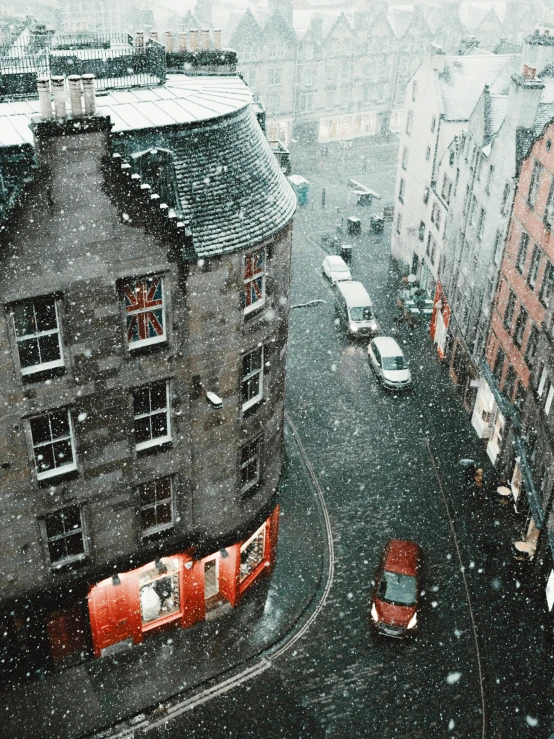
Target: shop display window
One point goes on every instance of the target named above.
(252, 553)
(159, 592)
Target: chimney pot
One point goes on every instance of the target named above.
(89, 96)
(217, 39)
(183, 41)
(43, 87)
(529, 72)
(168, 42)
(58, 85)
(75, 95)
(194, 40)
(205, 41)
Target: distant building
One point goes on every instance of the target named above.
(144, 324)
(438, 104)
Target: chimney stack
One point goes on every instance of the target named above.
(217, 39)
(154, 35)
(168, 42)
(194, 40)
(139, 40)
(205, 40)
(58, 85)
(183, 41)
(75, 95)
(89, 94)
(43, 87)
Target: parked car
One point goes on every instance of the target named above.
(335, 269)
(389, 364)
(354, 309)
(395, 600)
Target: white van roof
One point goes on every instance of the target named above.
(355, 294)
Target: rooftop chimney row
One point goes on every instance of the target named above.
(81, 93)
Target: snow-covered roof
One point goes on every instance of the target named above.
(230, 185)
(181, 100)
(464, 78)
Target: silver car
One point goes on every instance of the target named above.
(335, 269)
(389, 364)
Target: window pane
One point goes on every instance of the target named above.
(71, 518)
(62, 453)
(164, 513)
(56, 550)
(142, 429)
(75, 544)
(49, 348)
(24, 319)
(141, 401)
(44, 456)
(159, 425)
(54, 525)
(158, 395)
(147, 518)
(148, 494)
(60, 424)
(163, 489)
(29, 352)
(45, 311)
(40, 429)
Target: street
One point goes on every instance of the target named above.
(387, 467)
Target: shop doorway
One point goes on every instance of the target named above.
(211, 582)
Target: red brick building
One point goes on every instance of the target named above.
(520, 308)
(527, 273)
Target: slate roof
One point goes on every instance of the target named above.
(230, 185)
(464, 78)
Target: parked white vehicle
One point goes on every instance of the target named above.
(335, 269)
(389, 364)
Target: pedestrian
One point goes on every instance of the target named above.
(471, 471)
(478, 478)
(364, 164)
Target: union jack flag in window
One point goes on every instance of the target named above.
(144, 308)
(254, 281)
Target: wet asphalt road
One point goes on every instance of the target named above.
(381, 460)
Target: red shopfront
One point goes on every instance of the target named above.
(440, 319)
(178, 591)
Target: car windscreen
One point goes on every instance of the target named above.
(361, 314)
(394, 363)
(397, 589)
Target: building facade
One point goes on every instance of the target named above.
(144, 330)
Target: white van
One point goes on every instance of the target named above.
(355, 309)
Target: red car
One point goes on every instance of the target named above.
(395, 597)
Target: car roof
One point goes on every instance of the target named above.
(335, 259)
(355, 294)
(402, 556)
(387, 346)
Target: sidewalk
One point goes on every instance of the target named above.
(85, 699)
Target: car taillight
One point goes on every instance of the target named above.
(412, 622)
(374, 614)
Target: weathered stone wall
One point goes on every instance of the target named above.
(69, 239)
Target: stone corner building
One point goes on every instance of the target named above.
(145, 257)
